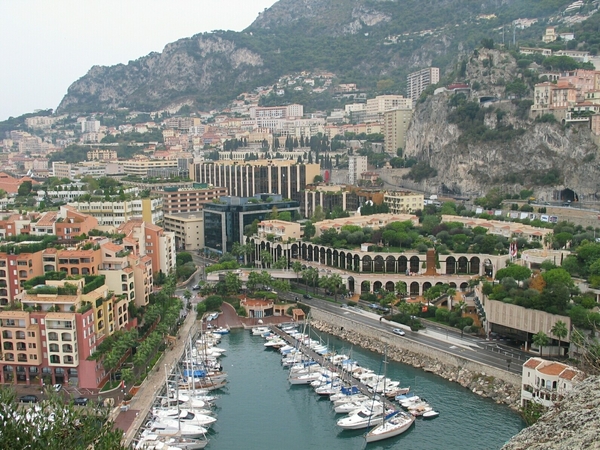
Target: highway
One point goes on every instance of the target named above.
(475, 349)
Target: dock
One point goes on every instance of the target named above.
(324, 362)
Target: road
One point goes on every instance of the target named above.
(476, 349)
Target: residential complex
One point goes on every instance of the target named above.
(115, 213)
(280, 230)
(395, 126)
(284, 177)
(188, 229)
(417, 82)
(357, 165)
(328, 198)
(400, 202)
(546, 382)
(377, 106)
(176, 201)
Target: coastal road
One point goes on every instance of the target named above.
(465, 347)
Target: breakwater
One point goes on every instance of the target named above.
(486, 381)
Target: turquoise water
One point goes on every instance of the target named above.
(260, 410)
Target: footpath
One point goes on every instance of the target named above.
(132, 419)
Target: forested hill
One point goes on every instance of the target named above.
(362, 41)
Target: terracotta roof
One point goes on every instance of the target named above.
(532, 363)
(112, 247)
(569, 374)
(50, 250)
(552, 369)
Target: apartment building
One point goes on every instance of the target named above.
(71, 223)
(382, 103)
(146, 167)
(115, 213)
(417, 82)
(188, 229)
(376, 222)
(284, 177)
(294, 110)
(15, 270)
(395, 125)
(145, 239)
(401, 202)
(546, 382)
(98, 154)
(356, 166)
(59, 327)
(176, 201)
(281, 230)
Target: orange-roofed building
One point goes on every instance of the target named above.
(71, 223)
(546, 382)
(11, 184)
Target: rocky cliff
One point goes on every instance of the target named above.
(508, 151)
(571, 424)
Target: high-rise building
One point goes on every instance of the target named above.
(395, 125)
(279, 176)
(356, 166)
(418, 81)
(377, 106)
(177, 200)
(224, 222)
(402, 202)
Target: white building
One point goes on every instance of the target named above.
(546, 382)
(418, 81)
(356, 166)
(382, 103)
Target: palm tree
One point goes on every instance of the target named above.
(400, 288)
(297, 268)
(560, 331)
(541, 340)
(450, 293)
(335, 281)
(266, 258)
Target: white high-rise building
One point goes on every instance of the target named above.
(356, 166)
(418, 81)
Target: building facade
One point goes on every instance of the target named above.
(395, 125)
(401, 202)
(417, 82)
(188, 229)
(356, 166)
(176, 201)
(546, 382)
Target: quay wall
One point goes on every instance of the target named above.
(482, 379)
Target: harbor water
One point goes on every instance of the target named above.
(260, 410)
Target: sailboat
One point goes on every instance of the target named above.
(393, 423)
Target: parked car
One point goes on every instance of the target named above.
(398, 331)
(57, 387)
(306, 296)
(28, 399)
(196, 287)
(81, 401)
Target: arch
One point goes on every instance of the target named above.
(464, 286)
(426, 285)
(278, 252)
(356, 263)
(328, 254)
(439, 283)
(452, 285)
(389, 286)
(336, 258)
(377, 286)
(295, 251)
(67, 348)
(450, 265)
(365, 286)
(415, 264)
(414, 288)
(351, 284)
(367, 264)
(402, 264)
(303, 250)
(55, 359)
(322, 255)
(474, 264)
(53, 347)
(48, 268)
(488, 268)
(74, 270)
(390, 264)
(378, 264)
(463, 265)
(342, 260)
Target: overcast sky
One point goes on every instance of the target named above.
(46, 45)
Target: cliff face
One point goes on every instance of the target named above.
(472, 166)
(571, 424)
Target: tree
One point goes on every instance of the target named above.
(233, 283)
(515, 271)
(282, 263)
(297, 268)
(187, 295)
(266, 258)
(559, 329)
(56, 425)
(451, 293)
(310, 275)
(400, 288)
(541, 340)
(24, 188)
(318, 214)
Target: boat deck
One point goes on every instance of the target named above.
(324, 362)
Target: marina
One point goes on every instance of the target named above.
(260, 409)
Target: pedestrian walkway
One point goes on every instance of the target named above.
(142, 402)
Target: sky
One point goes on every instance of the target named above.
(46, 45)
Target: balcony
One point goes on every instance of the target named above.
(67, 337)
(53, 336)
(21, 357)
(20, 335)
(59, 325)
(54, 348)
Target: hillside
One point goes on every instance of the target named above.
(361, 41)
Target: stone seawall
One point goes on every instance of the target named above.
(483, 380)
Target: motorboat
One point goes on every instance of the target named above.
(169, 427)
(350, 407)
(393, 424)
(351, 399)
(153, 441)
(361, 418)
(430, 414)
(184, 416)
(221, 330)
(259, 331)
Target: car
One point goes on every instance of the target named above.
(80, 401)
(28, 399)
(398, 331)
(196, 287)
(57, 387)
(306, 296)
